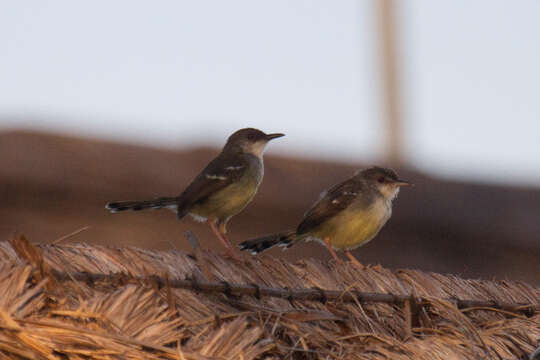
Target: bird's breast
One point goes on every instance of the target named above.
(356, 225)
(232, 199)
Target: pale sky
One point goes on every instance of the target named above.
(182, 73)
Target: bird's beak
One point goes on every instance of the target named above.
(401, 182)
(273, 136)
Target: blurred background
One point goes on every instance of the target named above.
(126, 100)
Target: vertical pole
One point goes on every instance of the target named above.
(390, 83)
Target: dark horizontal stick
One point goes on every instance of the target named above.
(316, 294)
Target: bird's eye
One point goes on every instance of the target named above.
(251, 136)
(380, 180)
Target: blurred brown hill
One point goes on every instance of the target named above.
(53, 185)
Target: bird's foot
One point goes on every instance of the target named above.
(377, 267)
(233, 254)
(354, 261)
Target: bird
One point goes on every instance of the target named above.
(222, 189)
(347, 216)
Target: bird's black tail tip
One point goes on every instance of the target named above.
(114, 207)
(261, 244)
(164, 202)
(123, 206)
(117, 207)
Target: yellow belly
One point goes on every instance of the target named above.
(227, 202)
(353, 227)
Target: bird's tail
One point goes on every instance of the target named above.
(164, 202)
(261, 244)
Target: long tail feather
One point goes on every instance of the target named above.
(261, 244)
(164, 202)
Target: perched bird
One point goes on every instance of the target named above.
(222, 189)
(345, 217)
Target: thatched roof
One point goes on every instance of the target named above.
(45, 315)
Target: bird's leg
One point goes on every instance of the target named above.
(220, 231)
(354, 260)
(331, 249)
(220, 235)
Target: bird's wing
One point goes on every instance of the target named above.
(218, 174)
(331, 203)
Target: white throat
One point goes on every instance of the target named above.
(390, 192)
(257, 148)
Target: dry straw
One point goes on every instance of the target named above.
(56, 303)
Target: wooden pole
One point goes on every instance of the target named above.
(385, 11)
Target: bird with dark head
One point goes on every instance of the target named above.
(345, 217)
(223, 188)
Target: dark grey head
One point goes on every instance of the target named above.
(249, 140)
(383, 179)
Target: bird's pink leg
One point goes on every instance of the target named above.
(331, 249)
(354, 260)
(221, 236)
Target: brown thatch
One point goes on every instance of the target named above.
(113, 318)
